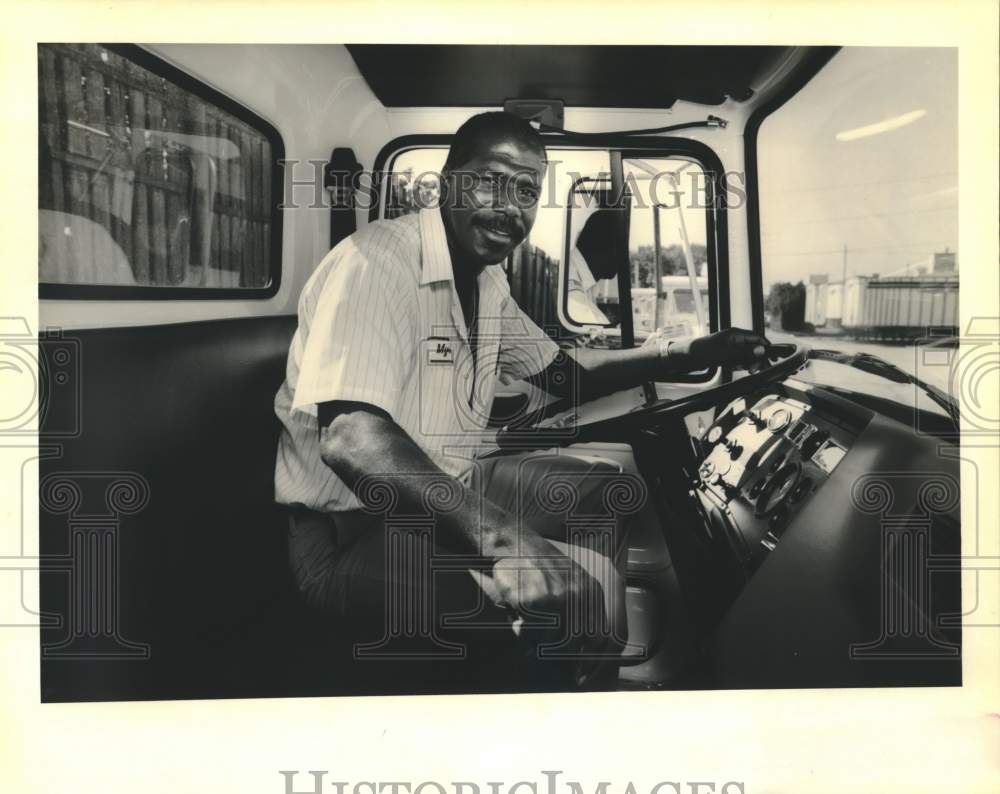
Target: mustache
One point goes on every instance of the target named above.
(502, 223)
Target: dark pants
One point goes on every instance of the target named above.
(411, 606)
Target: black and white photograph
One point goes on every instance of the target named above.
(585, 367)
(617, 372)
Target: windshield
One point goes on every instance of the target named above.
(859, 215)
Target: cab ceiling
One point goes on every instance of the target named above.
(453, 75)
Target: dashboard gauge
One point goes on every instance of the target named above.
(714, 435)
(829, 455)
(779, 420)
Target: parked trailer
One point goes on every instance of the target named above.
(677, 307)
(905, 308)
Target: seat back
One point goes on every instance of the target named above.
(164, 568)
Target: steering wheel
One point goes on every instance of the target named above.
(783, 360)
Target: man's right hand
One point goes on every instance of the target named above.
(544, 581)
(731, 347)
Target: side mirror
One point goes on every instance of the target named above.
(595, 253)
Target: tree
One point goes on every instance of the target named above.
(786, 303)
(672, 262)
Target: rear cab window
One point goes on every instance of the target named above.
(151, 184)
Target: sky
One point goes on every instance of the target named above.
(866, 156)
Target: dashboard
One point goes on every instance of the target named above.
(790, 519)
(844, 525)
(762, 459)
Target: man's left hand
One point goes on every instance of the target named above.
(733, 347)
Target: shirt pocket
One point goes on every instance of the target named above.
(456, 390)
(439, 393)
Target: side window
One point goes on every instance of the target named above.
(150, 185)
(666, 199)
(668, 250)
(668, 246)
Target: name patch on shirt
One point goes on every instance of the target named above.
(440, 351)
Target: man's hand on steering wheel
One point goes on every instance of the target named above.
(732, 347)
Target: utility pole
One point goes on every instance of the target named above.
(843, 289)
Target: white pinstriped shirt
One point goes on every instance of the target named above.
(380, 322)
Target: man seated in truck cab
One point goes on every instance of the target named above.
(403, 331)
